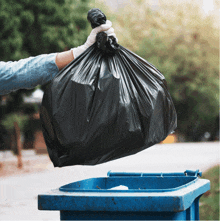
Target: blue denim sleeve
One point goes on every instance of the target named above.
(27, 73)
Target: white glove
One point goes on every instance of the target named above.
(92, 37)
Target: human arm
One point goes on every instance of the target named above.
(27, 73)
(30, 72)
(63, 59)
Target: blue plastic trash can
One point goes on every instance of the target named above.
(129, 196)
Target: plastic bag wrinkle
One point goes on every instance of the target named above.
(104, 106)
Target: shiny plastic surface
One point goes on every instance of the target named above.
(133, 184)
(104, 106)
(153, 196)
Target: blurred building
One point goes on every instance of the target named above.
(36, 97)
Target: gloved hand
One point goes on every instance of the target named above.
(92, 37)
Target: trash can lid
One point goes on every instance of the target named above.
(134, 182)
(170, 192)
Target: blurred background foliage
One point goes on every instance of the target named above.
(177, 37)
(30, 28)
(9, 120)
(183, 43)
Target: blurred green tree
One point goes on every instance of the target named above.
(183, 44)
(30, 28)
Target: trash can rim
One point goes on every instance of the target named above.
(140, 201)
(65, 188)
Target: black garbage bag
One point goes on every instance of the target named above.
(106, 104)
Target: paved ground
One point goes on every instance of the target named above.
(18, 194)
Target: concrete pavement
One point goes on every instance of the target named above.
(18, 194)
